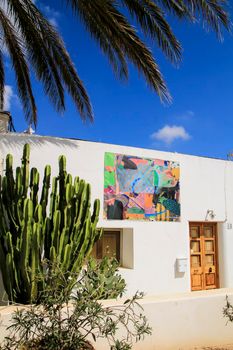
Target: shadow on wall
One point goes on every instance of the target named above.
(13, 141)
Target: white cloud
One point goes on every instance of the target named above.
(168, 134)
(9, 97)
(8, 94)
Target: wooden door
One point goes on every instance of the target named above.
(203, 256)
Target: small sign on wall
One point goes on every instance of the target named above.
(181, 265)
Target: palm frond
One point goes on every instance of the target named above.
(20, 66)
(37, 50)
(110, 48)
(119, 33)
(212, 12)
(75, 86)
(33, 42)
(61, 59)
(152, 21)
(177, 8)
(42, 43)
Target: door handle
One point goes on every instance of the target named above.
(210, 269)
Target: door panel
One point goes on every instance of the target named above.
(203, 256)
(197, 282)
(195, 231)
(208, 231)
(210, 279)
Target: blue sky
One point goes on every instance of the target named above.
(199, 121)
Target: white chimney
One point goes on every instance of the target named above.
(4, 121)
(29, 130)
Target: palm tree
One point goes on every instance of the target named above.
(33, 42)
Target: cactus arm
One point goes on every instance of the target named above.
(25, 169)
(53, 197)
(62, 244)
(24, 261)
(47, 237)
(56, 230)
(5, 277)
(96, 210)
(9, 271)
(35, 262)
(11, 251)
(45, 189)
(66, 260)
(53, 255)
(34, 186)
(18, 183)
(62, 182)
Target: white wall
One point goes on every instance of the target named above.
(179, 322)
(205, 184)
(184, 322)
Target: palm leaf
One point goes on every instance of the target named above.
(33, 42)
(152, 21)
(41, 43)
(212, 12)
(119, 33)
(20, 66)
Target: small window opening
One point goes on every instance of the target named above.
(108, 245)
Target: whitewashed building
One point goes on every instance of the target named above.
(161, 253)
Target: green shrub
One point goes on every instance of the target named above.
(72, 316)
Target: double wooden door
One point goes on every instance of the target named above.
(203, 256)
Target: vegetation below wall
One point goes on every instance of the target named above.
(70, 319)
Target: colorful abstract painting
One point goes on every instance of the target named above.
(141, 189)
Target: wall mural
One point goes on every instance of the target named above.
(141, 189)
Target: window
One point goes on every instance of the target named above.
(108, 245)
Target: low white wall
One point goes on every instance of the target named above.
(186, 321)
(180, 322)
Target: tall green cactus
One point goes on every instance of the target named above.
(37, 223)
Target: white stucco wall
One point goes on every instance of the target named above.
(153, 246)
(185, 321)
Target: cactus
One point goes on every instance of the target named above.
(38, 223)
